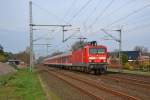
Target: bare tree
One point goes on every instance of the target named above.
(5, 56)
(1, 48)
(56, 53)
(23, 56)
(141, 49)
(77, 45)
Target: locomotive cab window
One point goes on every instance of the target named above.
(96, 50)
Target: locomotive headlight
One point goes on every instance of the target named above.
(102, 57)
(92, 58)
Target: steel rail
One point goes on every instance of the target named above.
(100, 87)
(133, 79)
(77, 87)
(126, 81)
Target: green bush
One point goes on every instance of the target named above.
(2, 58)
(128, 66)
(124, 59)
(148, 67)
(136, 62)
(14, 66)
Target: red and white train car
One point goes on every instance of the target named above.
(91, 57)
(62, 59)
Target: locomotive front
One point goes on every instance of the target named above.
(97, 58)
(97, 55)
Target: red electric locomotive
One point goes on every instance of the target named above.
(89, 58)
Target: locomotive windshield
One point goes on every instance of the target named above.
(96, 50)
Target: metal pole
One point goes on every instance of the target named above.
(63, 27)
(47, 49)
(31, 36)
(120, 46)
(120, 49)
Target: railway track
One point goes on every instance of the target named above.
(138, 80)
(75, 86)
(141, 83)
(95, 86)
(135, 80)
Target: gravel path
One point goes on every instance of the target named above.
(5, 69)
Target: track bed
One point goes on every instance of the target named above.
(107, 87)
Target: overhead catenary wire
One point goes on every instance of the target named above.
(93, 10)
(137, 22)
(119, 8)
(77, 13)
(132, 29)
(69, 9)
(50, 13)
(130, 14)
(80, 10)
(138, 27)
(102, 13)
(114, 11)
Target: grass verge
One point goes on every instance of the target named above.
(22, 85)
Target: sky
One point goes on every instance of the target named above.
(90, 16)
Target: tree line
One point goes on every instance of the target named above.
(23, 56)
